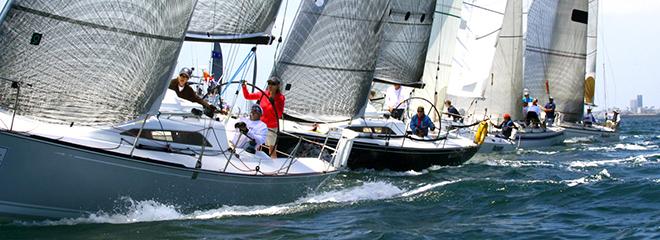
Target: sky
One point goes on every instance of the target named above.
(627, 45)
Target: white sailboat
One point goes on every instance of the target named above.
(596, 131)
(71, 80)
(399, 53)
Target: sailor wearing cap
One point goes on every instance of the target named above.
(526, 100)
(183, 90)
(549, 110)
(250, 132)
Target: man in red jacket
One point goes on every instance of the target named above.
(273, 96)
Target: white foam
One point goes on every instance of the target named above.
(367, 191)
(539, 152)
(428, 187)
(386, 173)
(578, 140)
(632, 147)
(635, 160)
(603, 174)
(511, 163)
(138, 211)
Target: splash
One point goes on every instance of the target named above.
(138, 211)
(367, 191)
(578, 140)
(603, 174)
(386, 173)
(428, 187)
(522, 151)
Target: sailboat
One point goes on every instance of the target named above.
(395, 56)
(72, 83)
(572, 125)
(556, 56)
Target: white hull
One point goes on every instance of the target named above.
(533, 138)
(599, 132)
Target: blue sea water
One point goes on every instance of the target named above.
(581, 190)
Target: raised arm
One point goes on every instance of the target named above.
(250, 96)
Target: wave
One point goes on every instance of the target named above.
(622, 146)
(522, 151)
(510, 163)
(578, 140)
(387, 173)
(149, 210)
(603, 174)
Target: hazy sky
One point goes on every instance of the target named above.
(627, 45)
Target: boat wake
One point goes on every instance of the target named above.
(150, 211)
(631, 161)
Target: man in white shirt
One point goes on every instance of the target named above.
(393, 97)
(251, 133)
(533, 113)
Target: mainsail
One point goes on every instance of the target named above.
(329, 58)
(592, 39)
(90, 62)
(504, 87)
(475, 51)
(437, 69)
(233, 21)
(216, 63)
(556, 53)
(403, 45)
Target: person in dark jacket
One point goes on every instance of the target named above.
(507, 127)
(183, 90)
(420, 123)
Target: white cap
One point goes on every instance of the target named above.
(526, 91)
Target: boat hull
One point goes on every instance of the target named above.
(586, 132)
(47, 178)
(380, 157)
(539, 139)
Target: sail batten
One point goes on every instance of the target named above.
(329, 58)
(93, 62)
(233, 21)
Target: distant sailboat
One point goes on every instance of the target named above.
(64, 70)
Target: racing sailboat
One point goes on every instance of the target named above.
(75, 140)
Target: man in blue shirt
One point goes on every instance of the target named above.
(420, 123)
(549, 110)
(507, 127)
(526, 100)
(589, 118)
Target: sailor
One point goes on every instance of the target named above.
(251, 132)
(453, 112)
(549, 110)
(394, 98)
(183, 90)
(613, 122)
(272, 97)
(506, 125)
(526, 100)
(589, 118)
(420, 123)
(533, 113)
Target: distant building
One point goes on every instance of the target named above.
(640, 103)
(633, 105)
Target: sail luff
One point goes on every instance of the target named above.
(437, 67)
(556, 53)
(329, 57)
(233, 21)
(503, 90)
(404, 42)
(592, 39)
(90, 62)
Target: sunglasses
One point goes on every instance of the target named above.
(183, 75)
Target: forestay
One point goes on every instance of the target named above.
(556, 52)
(329, 58)
(503, 91)
(404, 42)
(236, 21)
(90, 62)
(437, 68)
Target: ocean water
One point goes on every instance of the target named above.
(583, 189)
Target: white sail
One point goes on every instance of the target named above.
(437, 69)
(556, 53)
(475, 50)
(592, 35)
(234, 21)
(329, 58)
(505, 85)
(90, 62)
